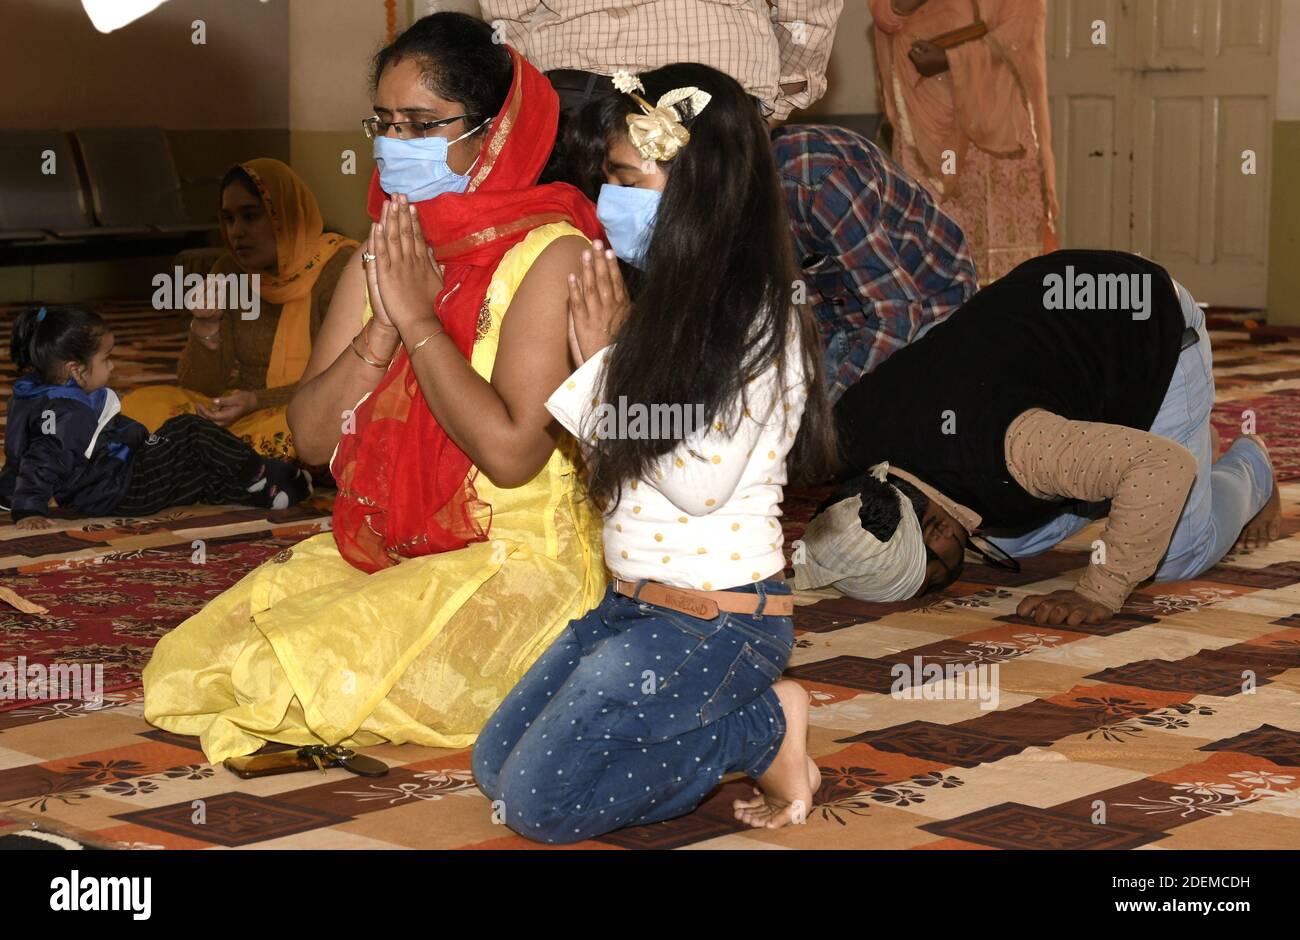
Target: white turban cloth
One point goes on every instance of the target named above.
(838, 551)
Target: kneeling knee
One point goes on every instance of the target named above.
(486, 768)
(536, 816)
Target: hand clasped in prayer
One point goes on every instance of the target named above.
(404, 274)
(598, 303)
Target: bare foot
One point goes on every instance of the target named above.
(1266, 526)
(785, 792)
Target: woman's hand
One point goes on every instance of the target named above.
(1063, 608)
(598, 303)
(372, 279)
(35, 522)
(205, 324)
(405, 274)
(228, 409)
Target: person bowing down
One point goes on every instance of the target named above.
(1077, 387)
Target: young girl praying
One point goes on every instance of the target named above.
(67, 439)
(640, 708)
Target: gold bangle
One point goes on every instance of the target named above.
(366, 359)
(416, 348)
(365, 338)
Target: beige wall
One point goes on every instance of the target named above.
(851, 75)
(220, 102)
(1284, 229)
(284, 79)
(1288, 72)
(57, 71)
(331, 43)
(289, 79)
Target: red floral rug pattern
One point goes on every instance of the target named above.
(113, 614)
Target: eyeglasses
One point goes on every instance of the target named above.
(374, 127)
(992, 555)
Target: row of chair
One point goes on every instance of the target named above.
(108, 183)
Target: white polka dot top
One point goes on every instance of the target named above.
(710, 516)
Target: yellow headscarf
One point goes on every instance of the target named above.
(302, 248)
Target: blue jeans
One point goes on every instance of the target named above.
(633, 715)
(1226, 493)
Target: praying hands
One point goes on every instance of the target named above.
(404, 273)
(598, 303)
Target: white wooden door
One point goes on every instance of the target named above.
(1157, 132)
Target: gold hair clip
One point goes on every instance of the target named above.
(658, 133)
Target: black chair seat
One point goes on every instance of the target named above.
(23, 235)
(186, 228)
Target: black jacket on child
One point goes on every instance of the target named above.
(67, 443)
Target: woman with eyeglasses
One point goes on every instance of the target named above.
(460, 545)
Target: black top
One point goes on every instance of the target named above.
(63, 442)
(940, 408)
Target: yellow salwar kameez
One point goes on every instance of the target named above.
(307, 649)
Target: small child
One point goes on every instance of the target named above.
(67, 438)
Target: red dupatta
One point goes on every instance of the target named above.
(405, 488)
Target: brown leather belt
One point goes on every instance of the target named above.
(704, 605)
(957, 37)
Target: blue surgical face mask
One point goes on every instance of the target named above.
(417, 168)
(628, 214)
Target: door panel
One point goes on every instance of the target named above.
(1177, 32)
(1090, 154)
(1182, 88)
(1247, 26)
(1242, 240)
(1177, 132)
(1086, 93)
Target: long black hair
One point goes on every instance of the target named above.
(712, 308)
(459, 60)
(43, 344)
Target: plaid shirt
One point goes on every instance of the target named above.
(881, 261)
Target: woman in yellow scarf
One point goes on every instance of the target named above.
(241, 373)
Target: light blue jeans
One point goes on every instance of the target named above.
(1227, 492)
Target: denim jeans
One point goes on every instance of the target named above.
(633, 715)
(1226, 494)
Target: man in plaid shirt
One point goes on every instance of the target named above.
(881, 261)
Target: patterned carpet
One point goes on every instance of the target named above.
(1175, 725)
